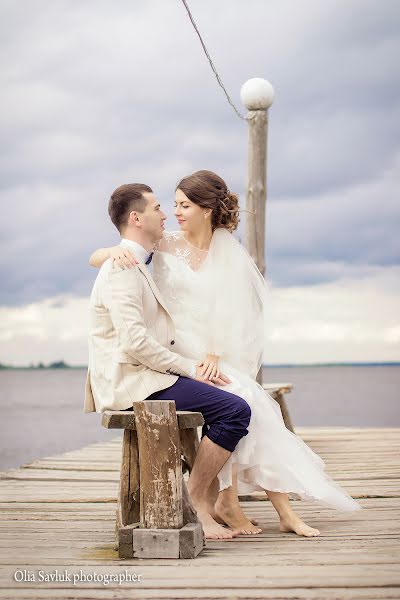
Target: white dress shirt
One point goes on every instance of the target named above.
(141, 254)
(137, 250)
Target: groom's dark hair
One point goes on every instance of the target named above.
(124, 200)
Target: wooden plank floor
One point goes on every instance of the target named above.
(58, 514)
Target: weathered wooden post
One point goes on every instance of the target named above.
(257, 95)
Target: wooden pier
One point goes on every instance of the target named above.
(57, 519)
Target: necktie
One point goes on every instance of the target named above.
(148, 261)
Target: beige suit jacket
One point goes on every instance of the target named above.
(131, 337)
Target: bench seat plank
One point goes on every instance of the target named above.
(125, 419)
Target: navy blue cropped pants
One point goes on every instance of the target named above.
(226, 415)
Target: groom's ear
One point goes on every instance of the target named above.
(133, 218)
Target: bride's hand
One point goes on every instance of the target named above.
(210, 367)
(122, 257)
(221, 380)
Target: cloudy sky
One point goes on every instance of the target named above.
(98, 93)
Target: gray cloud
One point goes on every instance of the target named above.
(97, 93)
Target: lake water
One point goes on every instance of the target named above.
(42, 410)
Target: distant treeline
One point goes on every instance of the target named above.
(59, 364)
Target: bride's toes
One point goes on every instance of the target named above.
(308, 531)
(298, 526)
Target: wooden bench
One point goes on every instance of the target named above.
(278, 391)
(155, 518)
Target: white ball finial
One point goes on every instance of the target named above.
(257, 94)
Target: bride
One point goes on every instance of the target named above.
(218, 298)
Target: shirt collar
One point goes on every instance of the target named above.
(137, 250)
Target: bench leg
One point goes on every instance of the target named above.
(129, 489)
(128, 510)
(280, 398)
(189, 445)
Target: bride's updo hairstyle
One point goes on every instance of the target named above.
(208, 190)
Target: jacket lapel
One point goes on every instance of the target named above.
(153, 286)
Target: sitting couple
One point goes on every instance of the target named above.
(193, 331)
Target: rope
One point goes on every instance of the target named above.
(212, 64)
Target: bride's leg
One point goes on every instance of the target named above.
(289, 521)
(228, 509)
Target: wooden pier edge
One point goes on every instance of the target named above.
(58, 513)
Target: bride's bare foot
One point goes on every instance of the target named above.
(231, 513)
(213, 530)
(295, 524)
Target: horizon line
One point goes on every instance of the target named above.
(264, 365)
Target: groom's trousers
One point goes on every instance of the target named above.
(226, 415)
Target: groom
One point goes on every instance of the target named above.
(131, 354)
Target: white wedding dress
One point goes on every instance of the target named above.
(270, 457)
